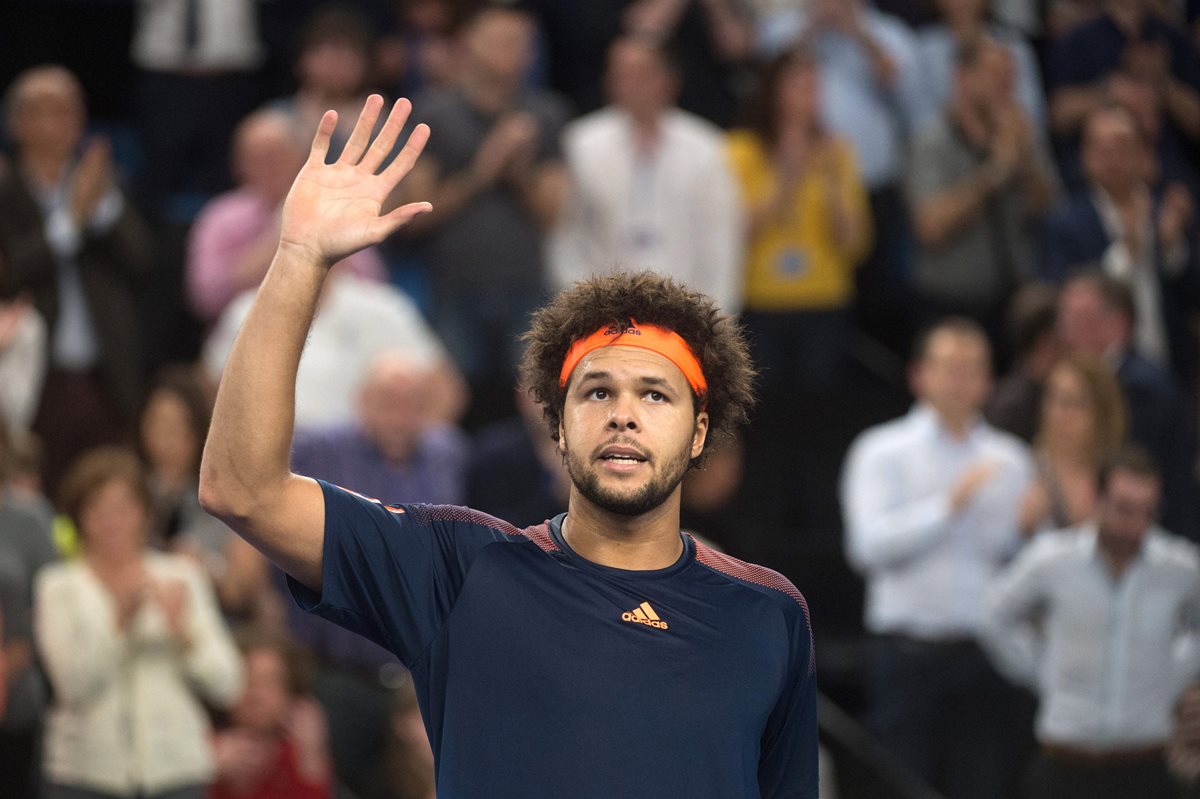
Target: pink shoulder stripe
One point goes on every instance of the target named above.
(538, 534)
(758, 575)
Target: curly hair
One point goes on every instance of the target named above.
(717, 340)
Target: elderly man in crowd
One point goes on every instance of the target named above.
(70, 239)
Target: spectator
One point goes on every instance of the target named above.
(357, 322)
(236, 233)
(22, 360)
(1131, 55)
(69, 238)
(1016, 402)
(978, 180)
(873, 95)
(1102, 621)
(335, 54)
(173, 427)
(1096, 318)
(133, 643)
(25, 547)
(275, 745)
(808, 228)
(713, 39)
(496, 180)
(650, 185)
(931, 503)
(1083, 423)
(197, 64)
(964, 24)
(1132, 233)
(396, 448)
(516, 471)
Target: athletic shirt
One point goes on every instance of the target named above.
(542, 674)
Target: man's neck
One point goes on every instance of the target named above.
(647, 129)
(957, 425)
(637, 543)
(1118, 559)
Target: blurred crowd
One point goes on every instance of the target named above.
(964, 241)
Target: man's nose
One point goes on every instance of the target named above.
(624, 414)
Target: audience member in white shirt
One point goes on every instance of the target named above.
(1102, 620)
(931, 504)
(650, 185)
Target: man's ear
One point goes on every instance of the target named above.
(699, 434)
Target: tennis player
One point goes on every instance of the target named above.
(601, 654)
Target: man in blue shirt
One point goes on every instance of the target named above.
(601, 654)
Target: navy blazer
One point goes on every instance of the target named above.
(1074, 237)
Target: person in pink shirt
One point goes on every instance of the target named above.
(236, 233)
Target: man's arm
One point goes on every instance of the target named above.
(331, 211)
(1014, 599)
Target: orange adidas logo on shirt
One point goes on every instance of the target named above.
(644, 614)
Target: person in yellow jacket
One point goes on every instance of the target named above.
(808, 227)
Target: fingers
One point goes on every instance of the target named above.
(381, 148)
(320, 145)
(403, 163)
(356, 145)
(389, 223)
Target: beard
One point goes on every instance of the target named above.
(633, 502)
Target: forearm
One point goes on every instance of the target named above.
(939, 216)
(450, 196)
(544, 192)
(1182, 105)
(732, 33)
(1070, 105)
(1039, 187)
(247, 453)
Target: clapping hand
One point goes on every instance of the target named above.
(333, 210)
(92, 180)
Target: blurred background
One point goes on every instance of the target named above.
(838, 174)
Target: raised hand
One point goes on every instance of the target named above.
(93, 177)
(335, 209)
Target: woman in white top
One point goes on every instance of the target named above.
(134, 645)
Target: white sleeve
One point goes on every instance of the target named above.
(212, 663)
(22, 371)
(720, 228)
(884, 527)
(77, 636)
(1014, 600)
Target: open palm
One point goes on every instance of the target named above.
(332, 210)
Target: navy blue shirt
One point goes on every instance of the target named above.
(542, 674)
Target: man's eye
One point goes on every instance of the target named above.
(657, 396)
(599, 393)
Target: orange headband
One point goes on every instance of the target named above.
(666, 343)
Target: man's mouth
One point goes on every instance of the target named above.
(625, 456)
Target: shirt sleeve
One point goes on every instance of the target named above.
(884, 527)
(77, 636)
(787, 767)
(1014, 601)
(392, 573)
